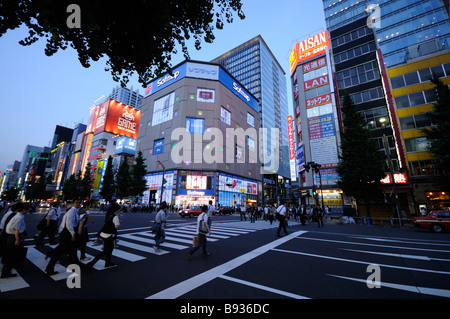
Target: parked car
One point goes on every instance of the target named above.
(190, 212)
(437, 221)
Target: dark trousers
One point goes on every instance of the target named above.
(282, 224)
(65, 246)
(201, 243)
(108, 247)
(50, 231)
(10, 259)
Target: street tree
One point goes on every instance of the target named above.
(137, 37)
(108, 185)
(138, 182)
(361, 165)
(438, 135)
(123, 180)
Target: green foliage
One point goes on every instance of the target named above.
(361, 164)
(138, 182)
(137, 36)
(108, 185)
(439, 134)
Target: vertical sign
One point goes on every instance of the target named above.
(291, 149)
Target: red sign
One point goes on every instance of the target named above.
(321, 80)
(314, 64)
(318, 100)
(291, 138)
(118, 118)
(309, 48)
(399, 178)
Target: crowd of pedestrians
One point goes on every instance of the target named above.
(70, 235)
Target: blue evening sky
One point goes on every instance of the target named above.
(39, 92)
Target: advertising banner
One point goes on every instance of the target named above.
(291, 149)
(309, 48)
(117, 118)
(163, 109)
(126, 145)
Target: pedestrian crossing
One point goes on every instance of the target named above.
(133, 247)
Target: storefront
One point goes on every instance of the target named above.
(234, 191)
(194, 188)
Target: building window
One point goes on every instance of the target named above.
(225, 115)
(416, 144)
(194, 125)
(250, 119)
(158, 146)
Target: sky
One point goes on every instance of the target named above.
(39, 92)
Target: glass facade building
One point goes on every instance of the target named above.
(254, 65)
(401, 24)
(409, 39)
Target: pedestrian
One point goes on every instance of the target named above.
(281, 216)
(242, 211)
(319, 215)
(423, 211)
(202, 230)
(160, 220)
(68, 239)
(210, 213)
(15, 233)
(109, 234)
(51, 226)
(83, 234)
(271, 210)
(303, 215)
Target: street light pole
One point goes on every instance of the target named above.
(163, 181)
(316, 166)
(391, 171)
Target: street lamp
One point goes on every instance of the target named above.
(163, 180)
(382, 120)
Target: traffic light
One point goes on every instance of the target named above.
(314, 191)
(316, 167)
(307, 167)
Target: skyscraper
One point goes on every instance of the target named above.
(254, 65)
(127, 96)
(370, 43)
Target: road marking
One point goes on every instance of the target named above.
(415, 289)
(119, 253)
(251, 284)
(397, 255)
(362, 262)
(12, 283)
(201, 279)
(373, 245)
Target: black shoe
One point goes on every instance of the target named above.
(8, 275)
(51, 273)
(110, 265)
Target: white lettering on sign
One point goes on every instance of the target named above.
(321, 80)
(241, 91)
(168, 77)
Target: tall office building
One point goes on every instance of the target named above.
(254, 65)
(368, 42)
(127, 96)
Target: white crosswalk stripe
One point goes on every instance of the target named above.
(134, 247)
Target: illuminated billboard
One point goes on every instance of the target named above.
(126, 145)
(117, 118)
(309, 48)
(291, 149)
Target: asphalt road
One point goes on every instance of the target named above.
(248, 265)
